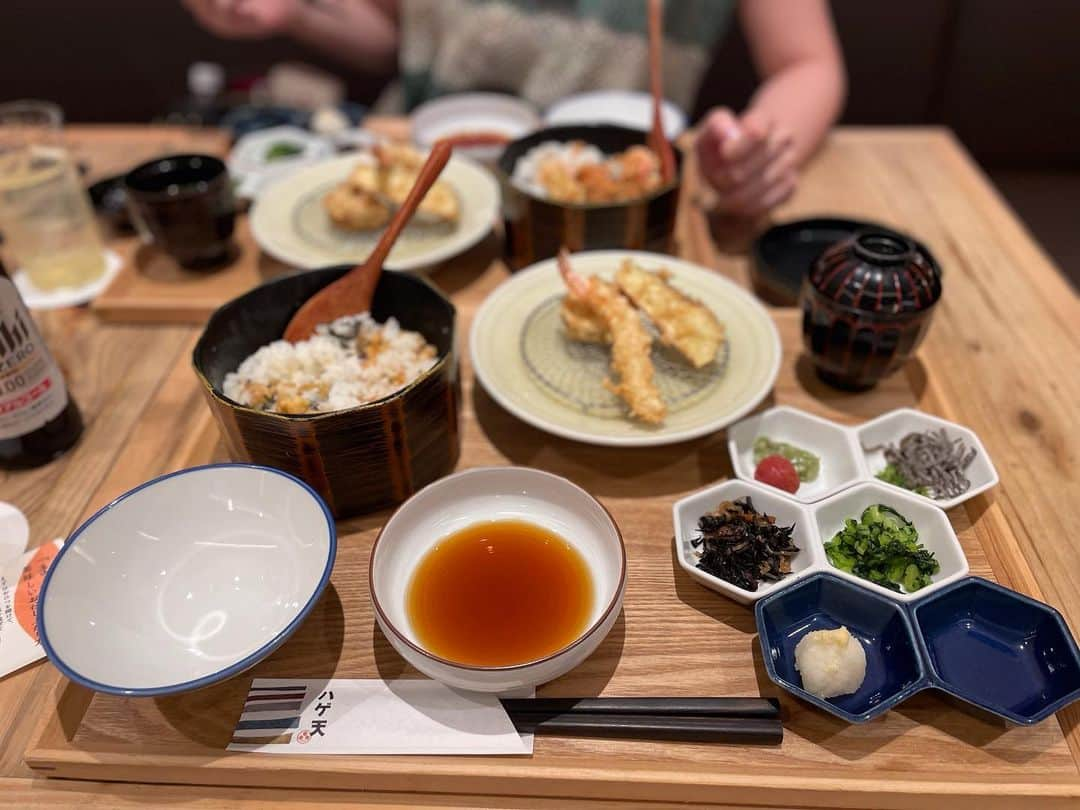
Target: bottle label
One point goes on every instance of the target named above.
(32, 390)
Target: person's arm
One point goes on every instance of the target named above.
(752, 160)
(359, 33)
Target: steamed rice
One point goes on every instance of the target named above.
(350, 362)
(574, 154)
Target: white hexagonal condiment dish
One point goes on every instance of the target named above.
(832, 443)
(935, 532)
(873, 436)
(687, 511)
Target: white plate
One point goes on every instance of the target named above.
(623, 107)
(521, 358)
(253, 172)
(289, 223)
(473, 112)
(67, 296)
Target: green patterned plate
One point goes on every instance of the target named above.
(523, 358)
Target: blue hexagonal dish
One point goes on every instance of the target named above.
(894, 666)
(1000, 650)
(991, 647)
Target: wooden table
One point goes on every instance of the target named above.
(1003, 351)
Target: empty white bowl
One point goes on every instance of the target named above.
(891, 427)
(626, 108)
(833, 444)
(771, 501)
(463, 113)
(935, 531)
(485, 494)
(186, 580)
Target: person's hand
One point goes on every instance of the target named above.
(245, 19)
(749, 162)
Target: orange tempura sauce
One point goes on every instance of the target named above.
(499, 593)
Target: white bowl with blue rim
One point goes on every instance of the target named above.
(186, 580)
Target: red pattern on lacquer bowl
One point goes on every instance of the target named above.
(867, 304)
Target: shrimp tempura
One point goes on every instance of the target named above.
(630, 342)
(685, 324)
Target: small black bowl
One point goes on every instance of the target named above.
(360, 459)
(184, 204)
(110, 203)
(537, 227)
(783, 255)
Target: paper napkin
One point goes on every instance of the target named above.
(372, 716)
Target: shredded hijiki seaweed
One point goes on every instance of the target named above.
(743, 546)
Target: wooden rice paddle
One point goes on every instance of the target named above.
(353, 292)
(658, 141)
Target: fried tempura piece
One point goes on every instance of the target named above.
(581, 323)
(686, 325)
(440, 202)
(559, 182)
(364, 178)
(397, 155)
(354, 211)
(630, 343)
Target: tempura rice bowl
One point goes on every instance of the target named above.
(362, 458)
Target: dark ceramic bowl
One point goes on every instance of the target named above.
(867, 304)
(361, 459)
(537, 227)
(185, 205)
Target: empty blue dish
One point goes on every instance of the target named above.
(894, 668)
(998, 649)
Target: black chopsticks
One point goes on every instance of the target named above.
(738, 721)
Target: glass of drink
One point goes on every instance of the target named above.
(45, 213)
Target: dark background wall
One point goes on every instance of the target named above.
(1004, 74)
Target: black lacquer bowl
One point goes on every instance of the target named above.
(537, 227)
(361, 459)
(866, 305)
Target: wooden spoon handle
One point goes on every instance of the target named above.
(657, 139)
(429, 173)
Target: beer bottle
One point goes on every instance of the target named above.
(38, 418)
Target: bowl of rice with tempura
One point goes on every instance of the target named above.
(585, 187)
(365, 410)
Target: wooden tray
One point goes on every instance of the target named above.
(152, 288)
(674, 637)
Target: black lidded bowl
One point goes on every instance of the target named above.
(867, 304)
(360, 459)
(537, 227)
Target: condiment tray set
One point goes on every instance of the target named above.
(851, 454)
(988, 646)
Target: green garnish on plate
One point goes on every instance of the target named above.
(892, 475)
(806, 464)
(282, 149)
(883, 546)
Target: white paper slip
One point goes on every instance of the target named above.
(372, 716)
(20, 584)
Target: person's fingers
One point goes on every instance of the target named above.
(753, 130)
(777, 150)
(719, 127)
(755, 201)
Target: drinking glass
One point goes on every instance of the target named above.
(45, 213)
